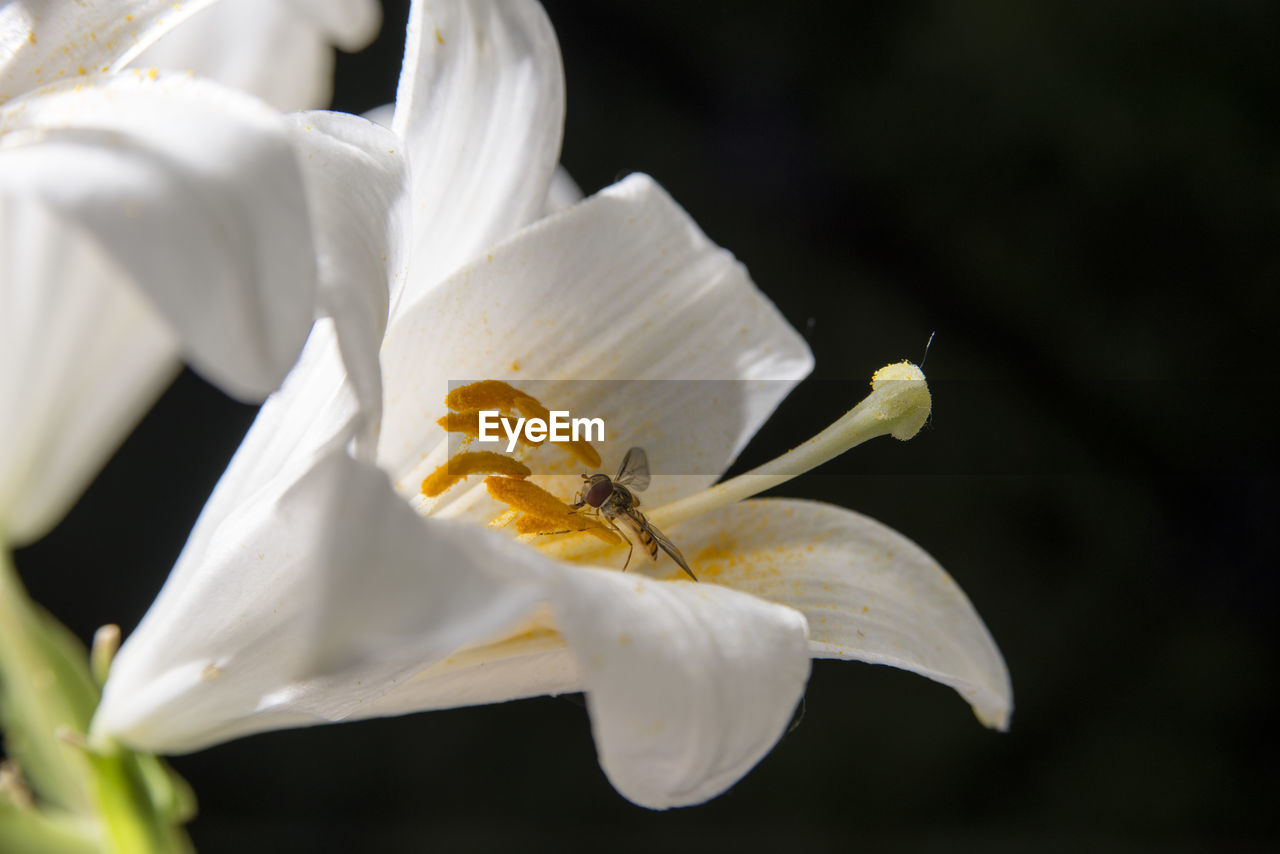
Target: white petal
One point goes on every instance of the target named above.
(195, 191)
(383, 114)
(333, 395)
(534, 664)
(263, 47)
(689, 685)
(563, 192)
(390, 588)
(620, 287)
(350, 24)
(870, 593)
(43, 41)
(304, 614)
(480, 106)
(357, 189)
(83, 355)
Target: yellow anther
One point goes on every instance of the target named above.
(530, 408)
(583, 451)
(476, 462)
(461, 422)
(534, 525)
(468, 422)
(551, 513)
(486, 394)
(504, 518)
(532, 499)
(467, 401)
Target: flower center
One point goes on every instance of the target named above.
(534, 510)
(898, 405)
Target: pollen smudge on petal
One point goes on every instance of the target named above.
(549, 514)
(475, 462)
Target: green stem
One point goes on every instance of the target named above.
(113, 799)
(131, 819)
(23, 830)
(41, 692)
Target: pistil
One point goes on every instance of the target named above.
(898, 406)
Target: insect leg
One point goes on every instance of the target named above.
(631, 547)
(580, 498)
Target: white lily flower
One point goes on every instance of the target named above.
(145, 217)
(280, 50)
(319, 585)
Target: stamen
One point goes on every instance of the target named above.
(586, 454)
(467, 401)
(468, 422)
(898, 406)
(551, 513)
(534, 525)
(504, 518)
(460, 466)
(486, 394)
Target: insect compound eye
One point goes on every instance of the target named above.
(599, 491)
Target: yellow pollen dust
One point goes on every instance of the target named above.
(473, 462)
(547, 514)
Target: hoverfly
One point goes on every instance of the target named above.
(616, 502)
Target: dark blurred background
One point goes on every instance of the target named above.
(1081, 201)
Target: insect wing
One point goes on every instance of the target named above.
(634, 471)
(645, 528)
